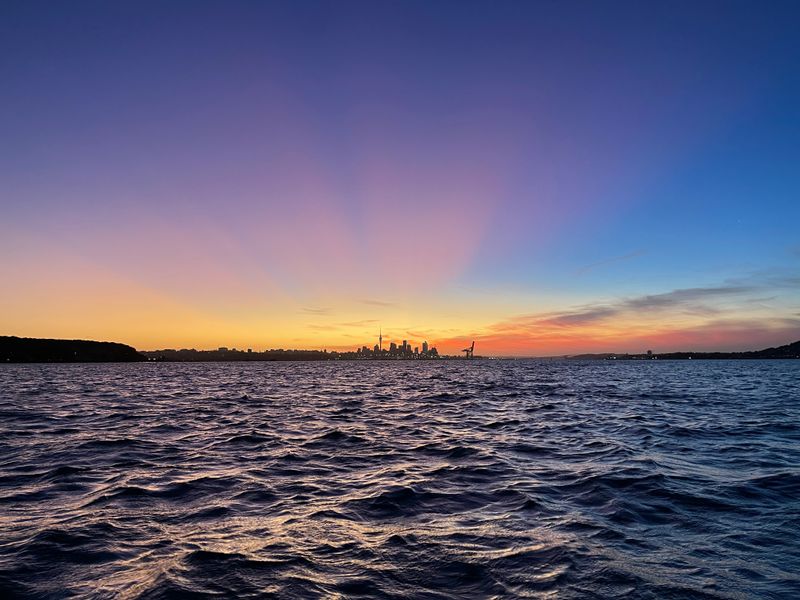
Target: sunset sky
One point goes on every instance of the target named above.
(541, 177)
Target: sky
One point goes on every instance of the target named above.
(544, 178)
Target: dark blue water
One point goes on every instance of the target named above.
(406, 480)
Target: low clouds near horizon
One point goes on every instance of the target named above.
(715, 317)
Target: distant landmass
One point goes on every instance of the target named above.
(788, 351)
(225, 354)
(232, 354)
(27, 350)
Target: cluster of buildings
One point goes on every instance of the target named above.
(397, 351)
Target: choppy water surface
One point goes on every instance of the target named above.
(416, 480)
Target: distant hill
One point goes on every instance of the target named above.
(233, 355)
(26, 350)
(788, 351)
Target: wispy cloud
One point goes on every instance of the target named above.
(761, 300)
(321, 327)
(688, 300)
(373, 302)
(684, 297)
(362, 323)
(578, 318)
(315, 311)
(419, 334)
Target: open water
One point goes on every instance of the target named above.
(442, 479)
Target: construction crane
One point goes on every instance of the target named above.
(469, 352)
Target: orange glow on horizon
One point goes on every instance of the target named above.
(61, 293)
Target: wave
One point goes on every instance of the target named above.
(509, 479)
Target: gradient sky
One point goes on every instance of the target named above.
(542, 177)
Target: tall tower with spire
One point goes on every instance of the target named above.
(380, 339)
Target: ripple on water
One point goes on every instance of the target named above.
(401, 480)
